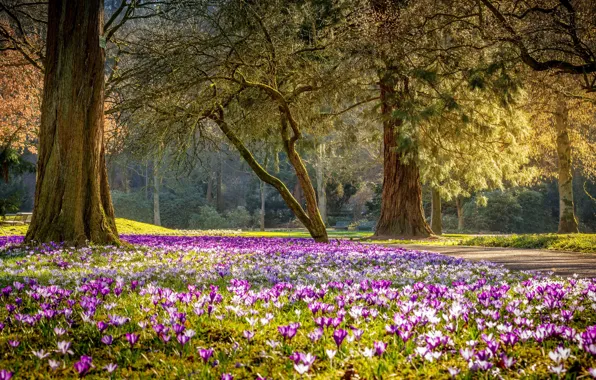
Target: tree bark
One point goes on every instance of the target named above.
(156, 186)
(209, 192)
(262, 216)
(402, 215)
(147, 180)
(219, 201)
(460, 213)
(72, 194)
(436, 223)
(567, 220)
(321, 182)
(316, 227)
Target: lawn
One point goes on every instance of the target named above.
(585, 243)
(213, 307)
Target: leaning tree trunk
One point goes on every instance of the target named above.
(436, 224)
(72, 195)
(567, 221)
(316, 227)
(156, 183)
(309, 218)
(401, 200)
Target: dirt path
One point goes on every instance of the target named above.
(561, 263)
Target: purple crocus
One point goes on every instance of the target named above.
(83, 365)
(205, 353)
(101, 326)
(227, 376)
(339, 335)
(5, 374)
(132, 338)
(182, 339)
(289, 331)
(379, 348)
(248, 334)
(107, 340)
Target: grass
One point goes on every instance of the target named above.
(125, 226)
(585, 243)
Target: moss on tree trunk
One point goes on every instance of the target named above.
(436, 223)
(567, 220)
(72, 195)
(401, 200)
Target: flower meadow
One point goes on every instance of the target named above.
(263, 308)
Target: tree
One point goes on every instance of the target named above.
(252, 72)
(401, 202)
(563, 138)
(20, 93)
(553, 36)
(72, 196)
(480, 138)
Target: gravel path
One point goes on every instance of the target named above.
(561, 263)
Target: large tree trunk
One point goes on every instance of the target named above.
(321, 182)
(72, 195)
(460, 213)
(567, 220)
(436, 223)
(156, 183)
(401, 200)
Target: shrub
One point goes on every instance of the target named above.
(207, 219)
(133, 205)
(239, 218)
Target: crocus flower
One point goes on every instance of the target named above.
(227, 376)
(41, 354)
(182, 339)
(5, 374)
(54, 364)
(557, 370)
(59, 331)
(248, 334)
(205, 354)
(453, 372)
(107, 340)
(13, 343)
(379, 348)
(132, 338)
(110, 367)
(301, 368)
(83, 365)
(64, 348)
(339, 335)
